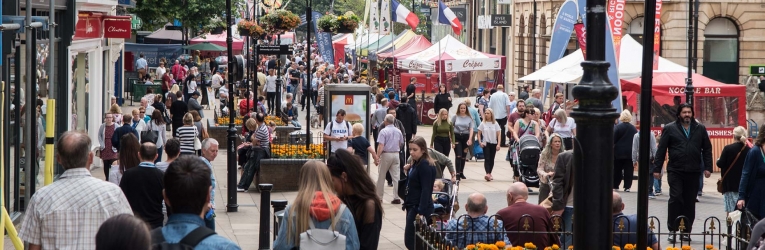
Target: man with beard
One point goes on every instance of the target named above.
(687, 142)
(511, 119)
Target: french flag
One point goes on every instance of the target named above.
(446, 16)
(402, 15)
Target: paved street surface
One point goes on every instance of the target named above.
(243, 226)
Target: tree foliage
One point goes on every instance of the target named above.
(199, 15)
(323, 6)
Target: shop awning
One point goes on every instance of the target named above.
(416, 44)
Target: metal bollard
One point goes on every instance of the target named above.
(265, 199)
(279, 206)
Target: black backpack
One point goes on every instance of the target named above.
(189, 242)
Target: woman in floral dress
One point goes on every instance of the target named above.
(108, 152)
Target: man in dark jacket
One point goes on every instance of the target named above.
(126, 128)
(563, 187)
(688, 143)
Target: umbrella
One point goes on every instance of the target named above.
(205, 46)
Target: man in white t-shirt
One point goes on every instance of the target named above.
(338, 132)
(500, 103)
(216, 82)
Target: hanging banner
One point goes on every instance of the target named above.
(461, 65)
(374, 17)
(323, 39)
(581, 38)
(657, 36)
(561, 33)
(385, 26)
(615, 13)
(613, 70)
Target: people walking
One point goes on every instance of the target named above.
(442, 139)
(488, 135)
(688, 145)
(143, 187)
(177, 111)
(420, 178)
(361, 147)
(731, 164)
(107, 152)
(126, 159)
(315, 204)
(157, 124)
(463, 134)
(500, 103)
(751, 191)
(74, 190)
(652, 190)
(390, 141)
(187, 134)
(209, 153)
(624, 132)
(354, 187)
(564, 126)
(443, 100)
(546, 165)
(337, 132)
(562, 194)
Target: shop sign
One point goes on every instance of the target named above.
(757, 70)
(501, 20)
(88, 25)
(473, 64)
(135, 23)
(117, 27)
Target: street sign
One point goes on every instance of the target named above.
(501, 20)
(274, 50)
(757, 70)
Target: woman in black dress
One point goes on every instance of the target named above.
(443, 99)
(354, 186)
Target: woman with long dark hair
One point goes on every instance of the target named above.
(463, 133)
(127, 158)
(751, 191)
(443, 100)
(421, 176)
(356, 189)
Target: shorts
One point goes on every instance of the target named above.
(320, 109)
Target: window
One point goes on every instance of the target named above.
(712, 112)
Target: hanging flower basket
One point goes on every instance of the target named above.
(280, 20)
(249, 28)
(346, 23)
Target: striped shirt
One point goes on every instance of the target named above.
(321, 96)
(187, 134)
(67, 213)
(262, 135)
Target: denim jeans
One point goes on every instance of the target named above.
(159, 155)
(568, 226)
(409, 237)
(657, 185)
(295, 123)
(250, 169)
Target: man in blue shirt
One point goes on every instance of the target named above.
(625, 226)
(141, 65)
(187, 193)
(477, 220)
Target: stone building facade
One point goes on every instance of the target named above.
(731, 35)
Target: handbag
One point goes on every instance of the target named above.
(197, 144)
(205, 135)
(547, 204)
(150, 135)
(720, 181)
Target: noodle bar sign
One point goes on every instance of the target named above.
(117, 27)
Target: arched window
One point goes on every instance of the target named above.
(721, 50)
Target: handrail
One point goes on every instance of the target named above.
(5, 220)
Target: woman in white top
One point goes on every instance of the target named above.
(160, 71)
(271, 90)
(490, 130)
(564, 126)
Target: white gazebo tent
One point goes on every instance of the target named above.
(569, 70)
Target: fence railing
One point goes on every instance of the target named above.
(433, 234)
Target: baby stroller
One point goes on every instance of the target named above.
(446, 202)
(529, 149)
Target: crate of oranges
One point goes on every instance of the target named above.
(285, 151)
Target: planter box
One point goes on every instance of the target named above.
(283, 134)
(282, 173)
(220, 133)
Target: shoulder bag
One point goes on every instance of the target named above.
(720, 181)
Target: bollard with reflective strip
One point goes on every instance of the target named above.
(49, 131)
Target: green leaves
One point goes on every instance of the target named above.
(199, 15)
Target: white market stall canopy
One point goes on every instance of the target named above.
(453, 56)
(569, 70)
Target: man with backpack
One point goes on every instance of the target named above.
(338, 132)
(187, 193)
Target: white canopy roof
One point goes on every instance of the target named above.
(569, 70)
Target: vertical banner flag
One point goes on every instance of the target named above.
(657, 36)
(581, 38)
(323, 39)
(615, 13)
(561, 33)
(374, 17)
(385, 24)
(613, 70)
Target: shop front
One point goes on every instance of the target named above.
(93, 64)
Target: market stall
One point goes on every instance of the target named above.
(447, 58)
(718, 106)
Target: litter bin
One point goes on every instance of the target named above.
(299, 137)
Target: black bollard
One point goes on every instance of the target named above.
(279, 206)
(265, 199)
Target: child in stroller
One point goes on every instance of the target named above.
(528, 151)
(444, 199)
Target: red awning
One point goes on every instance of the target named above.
(416, 44)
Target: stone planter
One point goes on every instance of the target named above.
(220, 133)
(282, 173)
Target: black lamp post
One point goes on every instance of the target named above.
(309, 25)
(689, 79)
(232, 206)
(595, 112)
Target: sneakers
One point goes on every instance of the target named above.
(396, 201)
(390, 184)
(671, 239)
(651, 196)
(241, 190)
(685, 237)
(658, 193)
(627, 190)
(697, 198)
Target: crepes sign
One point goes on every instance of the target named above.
(473, 64)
